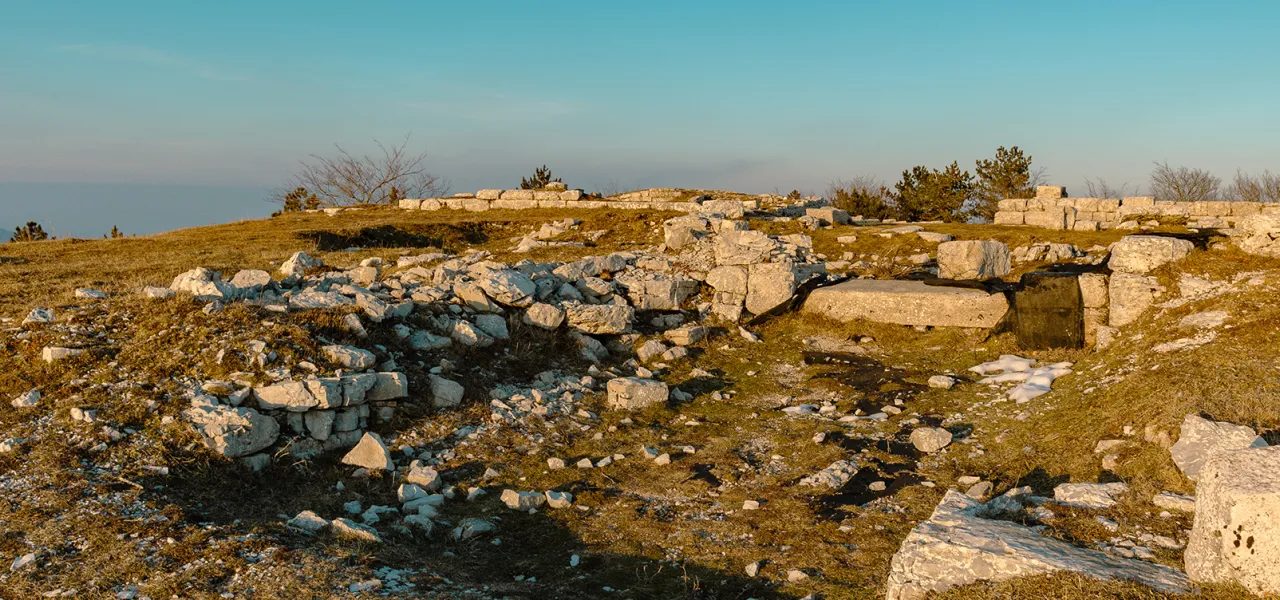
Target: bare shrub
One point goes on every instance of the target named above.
(1264, 187)
(1183, 184)
(1101, 189)
(863, 195)
(347, 180)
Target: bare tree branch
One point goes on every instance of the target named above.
(1183, 184)
(345, 179)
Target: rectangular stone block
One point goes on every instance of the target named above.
(1244, 209)
(452, 203)
(1085, 226)
(1009, 217)
(907, 303)
(431, 204)
(475, 205)
(1138, 201)
(1271, 209)
(1127, 210)
(517, 195)
(1173, 209)
(1045, 219)
(489, 194)
(410, 204)
(514, 204)
(1052, 192)
(546, 195)
(1012, 204)
(1107, 205)
(553, 204)
(571, 195)
(1087, 204)
(590, 204)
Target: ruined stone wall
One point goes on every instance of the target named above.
(1051, 209)
(652, 199)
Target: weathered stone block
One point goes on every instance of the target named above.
(1130, 295)
(973, 259)
(1009, 217)
(1236, 535)
(489, 194)
(1051, 192)
(1012, 204)
(1143, 253)
(907, 303)
(1244, 209)
(514, 204)
(571, 195)
(410, 203)
(517, 195)
(631, 393)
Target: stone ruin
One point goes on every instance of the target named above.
(1052, 209)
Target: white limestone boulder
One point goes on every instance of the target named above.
(1236, 534)
(1141, 254)
(973, 259)
(370, 453)
(1201, 438)
(631, 393)
(232, 432)
(957, 546)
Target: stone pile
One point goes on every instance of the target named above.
(1052, 209)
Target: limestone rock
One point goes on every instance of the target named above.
(307, 522)
(769, 285)
(232, 432)
(27, 399)
(973, 259)
(1141, 254)
(203, 284)
(251, 280)
(546, 316)
(445, 392)
(944, 382)
(600, 318)
(1095, 496)
(1130, 296)
(957, 546)
(370, 453)
(907, 303)
(298, 264)
(523, 500)
(1236, 535)
(930, 439)
(1201, 438)
(355, 359)
(630, 393)
(505, 286)
(346, 528)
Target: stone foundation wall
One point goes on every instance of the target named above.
(653, 199)
(1051, 209)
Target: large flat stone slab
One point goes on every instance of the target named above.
(908, 303)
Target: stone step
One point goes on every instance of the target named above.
(908, 303)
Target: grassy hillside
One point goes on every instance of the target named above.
(645, 531)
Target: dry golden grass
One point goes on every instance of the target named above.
(656, 532)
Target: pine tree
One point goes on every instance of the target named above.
(541, 177)
(1008, 175)
(31, 232)
(929, 194)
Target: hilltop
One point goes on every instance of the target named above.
(588, 402)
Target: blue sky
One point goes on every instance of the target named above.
(744, 95)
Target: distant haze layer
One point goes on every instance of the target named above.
(90, 210)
